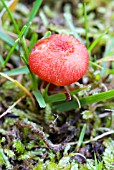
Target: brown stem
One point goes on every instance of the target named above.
(68, 96)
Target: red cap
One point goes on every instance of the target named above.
(60, 59)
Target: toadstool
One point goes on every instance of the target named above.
(59, 59)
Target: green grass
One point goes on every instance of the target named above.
(81, 137)
(14, 46)
(33, 13)
(11, 17)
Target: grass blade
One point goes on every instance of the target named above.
(39, 99)
(67, 106)
(33, 41)
(47, 34)
(17, 71)
(17, 83)
(60, 97)
(71, 26)
(33, 13)
(7, 39)
(10, 53)
(80, 141)
(97, 40)
(14, 46)
(86, 25)
(4, 159)
(11, 16)
(1, 60)
(69, 20)
(95, 64)
(110, 71)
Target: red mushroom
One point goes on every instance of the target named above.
(60, 59)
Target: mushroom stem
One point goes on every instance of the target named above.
(68, 96)
(42, 86)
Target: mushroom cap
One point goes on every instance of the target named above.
(60, 59)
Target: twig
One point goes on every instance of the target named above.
(54, 147)
(17, 83)
(78, 101)
(3, 114)
(106, 59)
(94, 139)
(100, 136)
